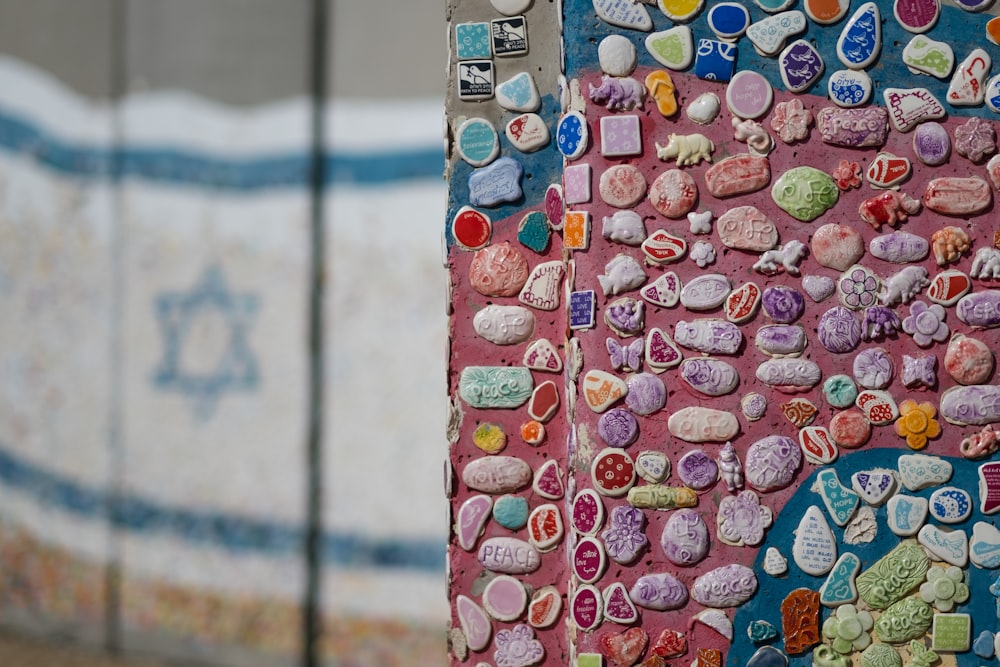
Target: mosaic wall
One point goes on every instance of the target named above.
(722, 373)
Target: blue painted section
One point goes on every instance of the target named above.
(542, 168)
(175, 167)
(581, 52)
(236, 369)
(233, 533)
(765, 605)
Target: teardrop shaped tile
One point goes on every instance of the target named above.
(673, 48)
(861, 39)
(815, 548)
(618, 606)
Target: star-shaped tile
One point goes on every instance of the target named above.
(919, 371)
(205, 342)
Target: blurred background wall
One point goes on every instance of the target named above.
(158, 434)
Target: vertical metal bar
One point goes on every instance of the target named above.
(312, 612)
(116, 447)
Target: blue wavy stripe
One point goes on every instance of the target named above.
(233, 533)
(171, 166)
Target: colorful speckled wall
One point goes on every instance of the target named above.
(723, 325)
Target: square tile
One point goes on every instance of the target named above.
(576, 230)
(620, 136)
(715, 60)
(476, 79)
(577, 183)
(951, 632)
(472, 41)
(582, 306)
(510, 36)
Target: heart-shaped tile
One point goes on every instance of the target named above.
(661, 351)
(541, 355)
(652, 466)
(873, 486)
(819, 288)
(673, 48)
(670, 644)
(705, 109)
(624, 649)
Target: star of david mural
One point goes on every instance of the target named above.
(210, 309)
